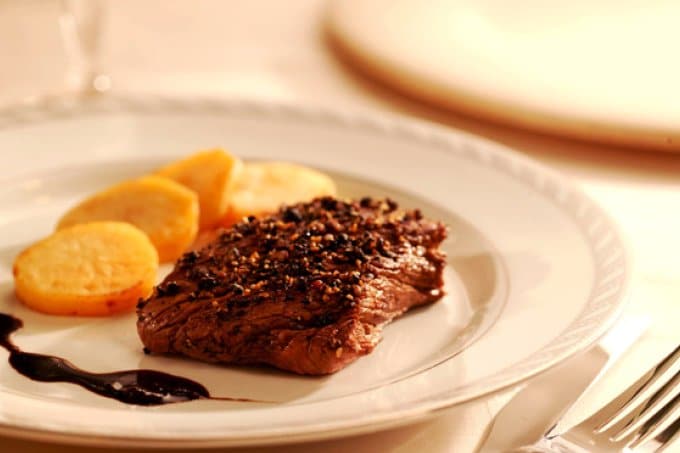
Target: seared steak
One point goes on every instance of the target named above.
(308, 289)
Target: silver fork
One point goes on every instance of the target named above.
(643, 418)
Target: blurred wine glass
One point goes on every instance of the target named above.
(81, 23)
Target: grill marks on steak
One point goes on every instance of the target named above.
(308, 289)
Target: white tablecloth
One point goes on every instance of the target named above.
(277, 50)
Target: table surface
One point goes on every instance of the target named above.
(279, 50)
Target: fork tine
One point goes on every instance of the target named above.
(669, 366)
(669, 436)
(654, 405)
(658, 425)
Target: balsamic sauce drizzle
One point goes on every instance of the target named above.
(139, 387)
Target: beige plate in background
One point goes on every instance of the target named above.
(604, 71)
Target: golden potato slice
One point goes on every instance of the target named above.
(210, 174)
(262, 187)
(91, 269)
(165, 210)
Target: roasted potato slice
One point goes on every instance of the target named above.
(262, 187)
(90, 269)
(211, 175)
(165, 210)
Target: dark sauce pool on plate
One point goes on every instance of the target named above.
(139, 387)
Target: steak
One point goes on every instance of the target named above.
(308, 289)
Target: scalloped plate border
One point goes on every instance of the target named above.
(606, 301)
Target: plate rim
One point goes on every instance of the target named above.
(542, 179)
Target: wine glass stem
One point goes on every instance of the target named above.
(80, 23)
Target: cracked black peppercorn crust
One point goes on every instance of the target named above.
(308, 289)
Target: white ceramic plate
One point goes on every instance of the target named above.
(579, 69)
(536, 271)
